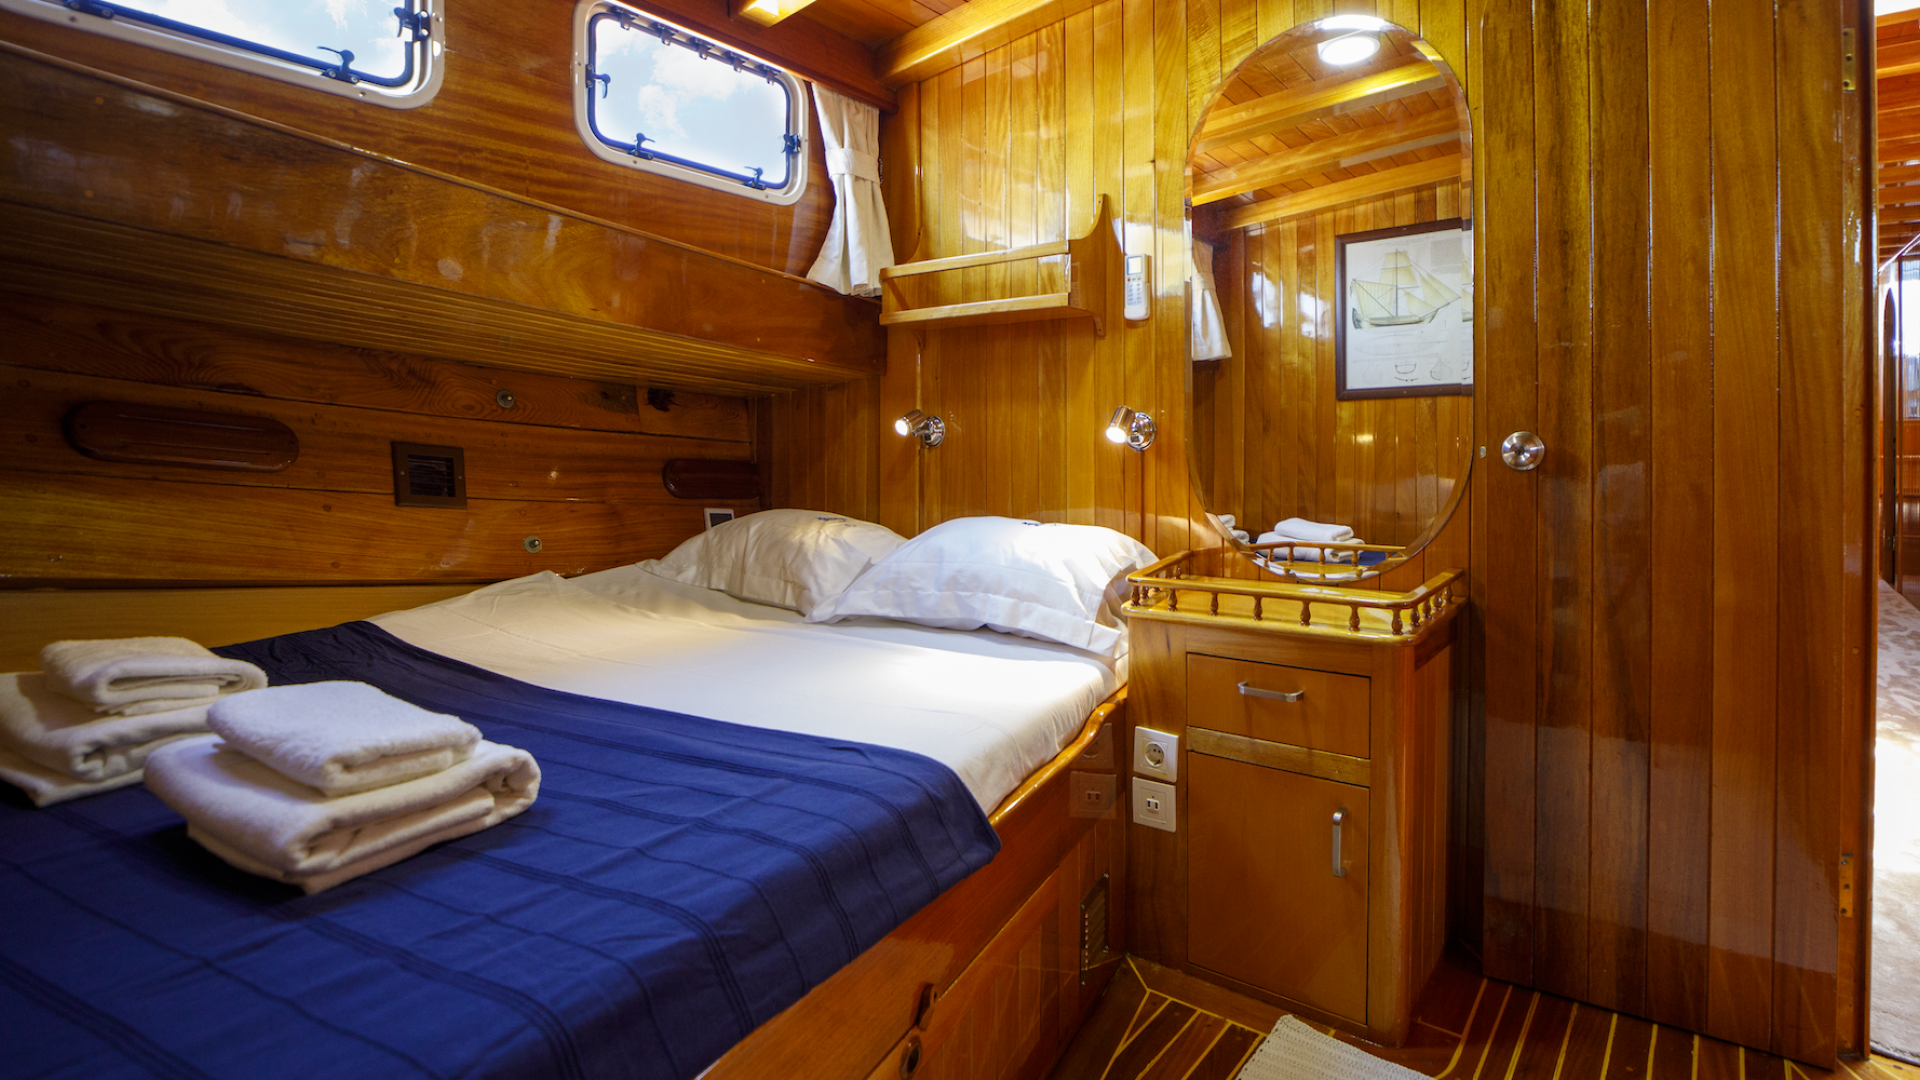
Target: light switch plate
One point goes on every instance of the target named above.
(1156, 754)
(1153, 804)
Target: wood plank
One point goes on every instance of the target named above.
(1681, 493)
(356, 223)
(346, 449)
(1322, 155)
(1372, 185)
(69, 529)
(1746, 456)
(1278, 112)
(968, 31)
(1622, 540)
(1505, 189)
(32, 618)
(1812, 476)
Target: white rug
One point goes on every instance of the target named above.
(1896, 844)
(1295, 1051)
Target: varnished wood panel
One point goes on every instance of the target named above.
(1333, 714)
(360, 250)
(504, 118)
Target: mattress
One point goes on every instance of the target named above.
(992, 707)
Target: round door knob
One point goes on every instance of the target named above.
(1523, 450)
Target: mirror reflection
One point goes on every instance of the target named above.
(1333, 299)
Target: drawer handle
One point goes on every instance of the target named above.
(1250, 690)
(1339, 865)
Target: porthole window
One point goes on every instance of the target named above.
(371, 50)
(652, 96)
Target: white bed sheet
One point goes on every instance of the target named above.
(990, 706)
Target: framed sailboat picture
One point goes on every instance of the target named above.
(1405, 311)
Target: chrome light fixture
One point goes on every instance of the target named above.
(1361, 40)
(931, 430)
(1130, 428)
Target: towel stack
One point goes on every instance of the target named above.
(1233, 526)
(320, 783)
(87, 722)
(1302, 531)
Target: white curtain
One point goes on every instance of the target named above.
(858, 245)
(1206, 328)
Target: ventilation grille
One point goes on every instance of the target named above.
(1093, 928)
(429, 475)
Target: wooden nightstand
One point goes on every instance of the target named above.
(1307, 865)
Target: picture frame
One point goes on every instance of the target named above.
(1404, 311)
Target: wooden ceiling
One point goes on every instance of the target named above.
(875, 22)
(1897, 67)
(1290, 134)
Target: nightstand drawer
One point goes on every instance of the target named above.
(1298, 706)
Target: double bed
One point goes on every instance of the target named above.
(762, 847)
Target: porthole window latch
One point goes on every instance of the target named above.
(419, 22)
(605, 81)
(640, 150)
(755, 182)
(91, 7)
(791, 142)
(343, 73)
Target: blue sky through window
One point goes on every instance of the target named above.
(367, 28)
(688, 106)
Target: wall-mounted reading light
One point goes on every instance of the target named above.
(1129, 428)
(931, 430)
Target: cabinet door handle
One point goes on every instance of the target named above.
(1339, 865)
(1250, 690)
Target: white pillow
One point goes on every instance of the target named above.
(1060, 583)
(797, 559)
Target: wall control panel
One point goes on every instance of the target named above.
(1156, 754)
(1153, 804)
(1136, 303)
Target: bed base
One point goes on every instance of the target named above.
(989, 979)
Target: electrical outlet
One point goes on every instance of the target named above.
(1153, 804)
(1156, 753)
(1091, 794)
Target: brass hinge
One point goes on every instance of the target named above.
(1849, 61)
(1846, 885)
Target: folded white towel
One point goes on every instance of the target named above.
(341, 737)
(267, 824)
(46, 787)
(1303, 554)
(129, 676)
(1301, 529)
(58, 733)
(1241, 535)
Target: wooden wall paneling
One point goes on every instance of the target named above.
(1746, 517)
(1139, 71)
(1564, 370)
(1507, 584)
(1082, 375)
(345, 449)
(1117, 469)
(1680, 722)
(1622, 548)
(342, 218)
(80, 339)
(1860, 536)
(504, 118)
(1813, 463)
(1169, 499)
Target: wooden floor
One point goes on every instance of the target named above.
(1158, 1024)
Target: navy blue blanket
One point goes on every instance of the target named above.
(678, 883)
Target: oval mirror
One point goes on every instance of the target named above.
(1331, 326)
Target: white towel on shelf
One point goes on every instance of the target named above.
(1304, 554)
(46, 787)
(341, 737)
(58, 733)
(130, 676)
(1301, 529)
(266, 824)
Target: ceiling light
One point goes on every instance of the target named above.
(1349, 49)
(1353, 22)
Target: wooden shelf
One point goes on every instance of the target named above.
(1089, 258)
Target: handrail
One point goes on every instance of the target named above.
(1157, 590)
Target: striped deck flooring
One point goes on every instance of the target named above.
(1157, 1024)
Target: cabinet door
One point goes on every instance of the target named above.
(1264, 906)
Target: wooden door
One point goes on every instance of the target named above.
(1263, 903)
(1677, 602)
